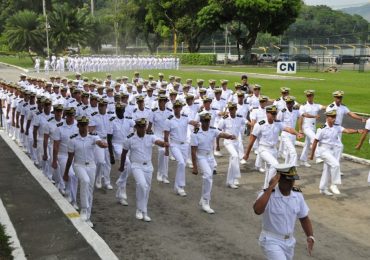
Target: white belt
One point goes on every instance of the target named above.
(266, 146)
(141, 163)
(85, 163)
(327, 146)
(278, 236)
(204, 153)
(176, 142)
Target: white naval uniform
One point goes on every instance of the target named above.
(268, 136)
(84, 167)
(158, 121)
(329, 140)
(179, 147)
(204, 141)
(278, 221)
(257, 114)
(289, 119)
(367, 126)
(234, 126)
(140, 149)
(308, 126)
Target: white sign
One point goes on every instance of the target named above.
(286, 67)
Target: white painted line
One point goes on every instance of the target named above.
(272, 76)
(96, 242)
(17, 251)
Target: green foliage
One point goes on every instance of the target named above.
(20, 59)
(5, 246)
(23, 32)
(197, 59)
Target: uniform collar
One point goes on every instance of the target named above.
(278, 194)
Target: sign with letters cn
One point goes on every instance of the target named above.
(287, 67)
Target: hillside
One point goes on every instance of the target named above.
(364, 11)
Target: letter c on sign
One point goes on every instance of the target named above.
(283, 66)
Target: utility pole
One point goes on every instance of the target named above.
(92, 7)
(46, 27)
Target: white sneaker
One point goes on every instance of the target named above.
(341, 173)
(242, 162)
(306, 164)
(217, 153)
(75, 206)
(319, 160)
(334, 189)
(139, 215)
(205, 206)
(172, 158)
(146, 218)
(190, 165)
(123, 202)
(109, 187)
(98, 183)
(326, 192)
(159, 178)
(83, 214)
(232, 186)
(236, 182)
(88, 222)
(165, 180)
(262, 170)
(62, 191)
(181, 192)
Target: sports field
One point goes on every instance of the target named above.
(354, 84)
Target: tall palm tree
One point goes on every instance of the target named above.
(24, 31)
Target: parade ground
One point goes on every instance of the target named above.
(179, 228)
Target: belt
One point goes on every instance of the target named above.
(267, 146)
(278, 236)
(204, 153)
(142, 163)
(176, 142)
(85, 163)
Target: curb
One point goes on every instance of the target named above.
(344, 156)
(14, 66)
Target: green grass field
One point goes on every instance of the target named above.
(24, 62)
(354, 84)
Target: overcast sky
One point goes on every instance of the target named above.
(337, 4)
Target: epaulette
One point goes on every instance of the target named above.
(130, 135)
(239, 116)
(255, 108)
(155, 109)
(297, 189)
(213, 108)
(79, 105)
(72, 101)
(212, 127)
(169, 109)
(105, 96)
(32, 108)
(110, 103)
(170, 117)
(283, 110)
(60, 124)
(278, 99)
(147, 108)
(85, 107)
(112, 118)
(93, 134)
(223, 98)
(184, 115)
(67, 97)
(261, 122)
(277, 121)
(38, 113)
(132, 104)
(73, 136)
(296, 107)
(94, 113)
(50, 119)
(150, 132)
(128, 117)
(331, 105)
(245, 102)
(196, 130)
(20, 101)
(110, 112)
(25, 104)
(323, 126)
(135, 110)
(225, 116)
(58, 97)
(266, 190)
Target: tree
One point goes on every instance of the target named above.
(252, 17)
(69, 26)
(23, 32)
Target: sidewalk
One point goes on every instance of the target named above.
(43, 229)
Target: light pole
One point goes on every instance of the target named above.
(182, 47)
(214, 47)
(226, 32)
(46, 27)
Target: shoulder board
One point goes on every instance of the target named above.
(147, 108)
(277, 121)
(128, 117)
(261, 122)
(266, 190)
(94, 113)
(112, 118)
(135, 110)
(296, 107)
(278, 99)
(73, 136)
(150, 133)
(212, 127)
(38, 113)
(79, 105)
(50, 119)
(169, 109)
(20, 101)
(170, 117)
(105, 96)
(110, 112)
(58, 97)
(60, 124)
(85, 107)
(25, 104)
(239, 115)
(223, 98)
(32, 108)
(132, 104)
(67, 97)
(155, 109)
(323, 126)
(196, 130)
(110, 103)
(283, 110)
(332, 105)
(93, 134)
(255, 108)
(297, 189)
(336, 124)
(184, 115)
(213, 108)
(72, 101)
(245, 102)
(225, 116)
(130, 135)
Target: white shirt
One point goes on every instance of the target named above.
(267, 134)
(258, 114)
(311, 109)
(63, 133)
(234, 126)
(41, 120)
(204, 140)
(158, 120)
(101, 123)
(279, 103)
(330, 135)
(281, 212)
(177, 127)
(140, 148)
(146, 113)
(253, 101)
(341, 111)
(288, 119)
(83, 148)
(120, 129)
